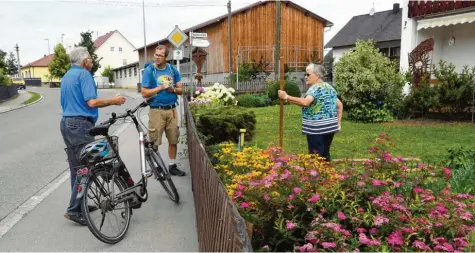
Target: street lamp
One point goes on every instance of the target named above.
(49, 52)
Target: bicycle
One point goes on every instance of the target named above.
(101, 164)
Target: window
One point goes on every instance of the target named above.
(384, 51)
(120, 49)
(112, 49)
(120, 73)
(130, 72)
(394, 52)
(135, 71)
(116, 75)
(124, 62)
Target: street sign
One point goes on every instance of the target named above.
(178, 54)
(199, 35)
(177, 37)
(200, 43)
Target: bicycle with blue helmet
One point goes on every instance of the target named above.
(101, 184)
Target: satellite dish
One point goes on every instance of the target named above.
(371, 12)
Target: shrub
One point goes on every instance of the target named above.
(223, 123)
(366, 77)
(4, 80)
(250, 100)
(454, 90)
(422, 98)
(289, 86)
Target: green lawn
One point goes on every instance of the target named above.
(426, 140)
(34, 97)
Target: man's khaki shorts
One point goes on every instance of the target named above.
(163, 120)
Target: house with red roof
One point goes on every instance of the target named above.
(39, 69)
(115, 50)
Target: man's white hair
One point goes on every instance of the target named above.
(78, 55)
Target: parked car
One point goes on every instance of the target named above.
(20, 82)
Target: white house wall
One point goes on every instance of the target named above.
(462, 53)
(127, 80)
(338, 53)
(115, 58)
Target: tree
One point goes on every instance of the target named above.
(12, 65)
(61, 62)
(86, 41)
(108, 72)
(3, 64)
(369, 83)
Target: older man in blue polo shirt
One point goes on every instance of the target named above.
(80, 112)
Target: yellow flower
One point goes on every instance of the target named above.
(275, 194)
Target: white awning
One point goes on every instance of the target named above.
(446, 21)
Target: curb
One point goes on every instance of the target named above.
(22, 106)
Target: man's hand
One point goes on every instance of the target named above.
(118, 100)
(282, 94)
(171, 89)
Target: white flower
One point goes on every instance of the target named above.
(197, 92)
(231, 90)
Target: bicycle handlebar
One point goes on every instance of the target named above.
(128, 113)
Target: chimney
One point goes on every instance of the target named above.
(395, 8)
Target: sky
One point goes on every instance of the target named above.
(34, 23)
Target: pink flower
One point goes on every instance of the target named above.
(388, 157)
(244, 205)
(420, 245)
(356, 250)
(327, 245)
(361, 230)
(396, 184)
(447, 173)
(361, 210)
(420, 165)
(378, 182)
(404, 167)
(290, 225)
(460, 242)
(395, 239)
(418, 190)
(380, 220)
(466, 216)
(444, 247)
(365, 240)
(373, 230)
(361, 183)
(341, 216)
(314, 198)
(291, 206)
(297, 190)
(291, 197)
(373, 149)
(285, 175)
(237, 195)
(313, 173)
(240, 187)
(306, 248)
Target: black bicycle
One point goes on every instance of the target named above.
(102, 182)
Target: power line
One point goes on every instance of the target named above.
(121, 3)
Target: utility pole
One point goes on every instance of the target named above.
(49, 52)
(230, 43)
(17, 49)
(144, 33)
(277, 40)
(62, 35)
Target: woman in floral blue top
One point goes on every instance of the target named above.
(321, 111)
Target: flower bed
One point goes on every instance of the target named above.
(300, 202)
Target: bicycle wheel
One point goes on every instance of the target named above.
(163, 176)
(98, 193)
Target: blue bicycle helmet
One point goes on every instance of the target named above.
(96, 151)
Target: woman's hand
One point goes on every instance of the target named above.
(282, 94)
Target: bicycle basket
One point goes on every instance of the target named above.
(98, 151)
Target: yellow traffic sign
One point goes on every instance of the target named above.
(177, 37)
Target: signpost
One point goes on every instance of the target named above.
(197, 40)
(200, 43)
(177, 37)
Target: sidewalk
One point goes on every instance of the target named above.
(159, 225)
(16, 102)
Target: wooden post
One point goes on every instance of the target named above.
(281, 120)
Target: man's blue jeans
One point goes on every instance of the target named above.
(75, 135)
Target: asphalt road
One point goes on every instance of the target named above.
(32, 155)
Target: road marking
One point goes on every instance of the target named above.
(16, 215)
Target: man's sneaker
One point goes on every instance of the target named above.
(76, 218)
(175, 171)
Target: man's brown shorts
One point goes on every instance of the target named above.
(163, 120)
